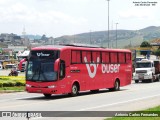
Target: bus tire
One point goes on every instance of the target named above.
(47, 95)
(75, 90)
(116, 86)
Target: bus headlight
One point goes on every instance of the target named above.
(52, 86)
(27, 85)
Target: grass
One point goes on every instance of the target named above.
(12, 78)
(12, 89)
(12, 83)
(155, 110)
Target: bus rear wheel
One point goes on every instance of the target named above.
(116, 86)
(74, 91)
(47, 95)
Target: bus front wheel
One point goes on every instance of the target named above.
(116, 86)
(74, 91)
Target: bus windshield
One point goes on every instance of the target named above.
(41, 66)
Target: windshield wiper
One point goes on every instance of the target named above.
(41, 71)
(37, 70)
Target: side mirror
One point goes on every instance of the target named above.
(56, 65)
(24, 59)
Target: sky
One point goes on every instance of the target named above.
(68, 17)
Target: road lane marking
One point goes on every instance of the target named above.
(106, 105)
(9, 99)
(64, 100)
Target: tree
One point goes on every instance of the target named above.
(145, 44)
(44, 37)
(157, 52)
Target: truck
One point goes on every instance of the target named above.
(147, 71)
(22, 60)
(22, 65)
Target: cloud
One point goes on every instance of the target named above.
(38, 19)
(2, 2)
(19, 12)
(136, 13)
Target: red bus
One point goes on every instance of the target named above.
(71, 69)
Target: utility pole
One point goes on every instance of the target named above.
(74, 38)
(116, 34)
(108, 24)
(90, 37)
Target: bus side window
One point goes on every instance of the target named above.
(121, 57)
(128, 57)
(76, 57)
(62, 69)
(87, 55)
(113, 57)
(96, 58)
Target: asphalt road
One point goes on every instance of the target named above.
(130, 98)
(7, 71)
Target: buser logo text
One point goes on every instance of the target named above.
(42, 54)
(106, 68)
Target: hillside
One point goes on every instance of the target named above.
(124, 37)
(32, 37)
(157, 40)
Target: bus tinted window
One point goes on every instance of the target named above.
(96, 57)
(105, 57)
(41, 65)
(121, 57)
(86, 57)
(128, 57)
(76, 57)
(113, 56)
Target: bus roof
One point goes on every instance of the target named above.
(61, 47)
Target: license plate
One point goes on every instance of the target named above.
(141, 77)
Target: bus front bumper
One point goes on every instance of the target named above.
(42, 90)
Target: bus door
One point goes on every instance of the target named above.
(63, 81)
(77, 74)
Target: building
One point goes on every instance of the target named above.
(11, 39)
